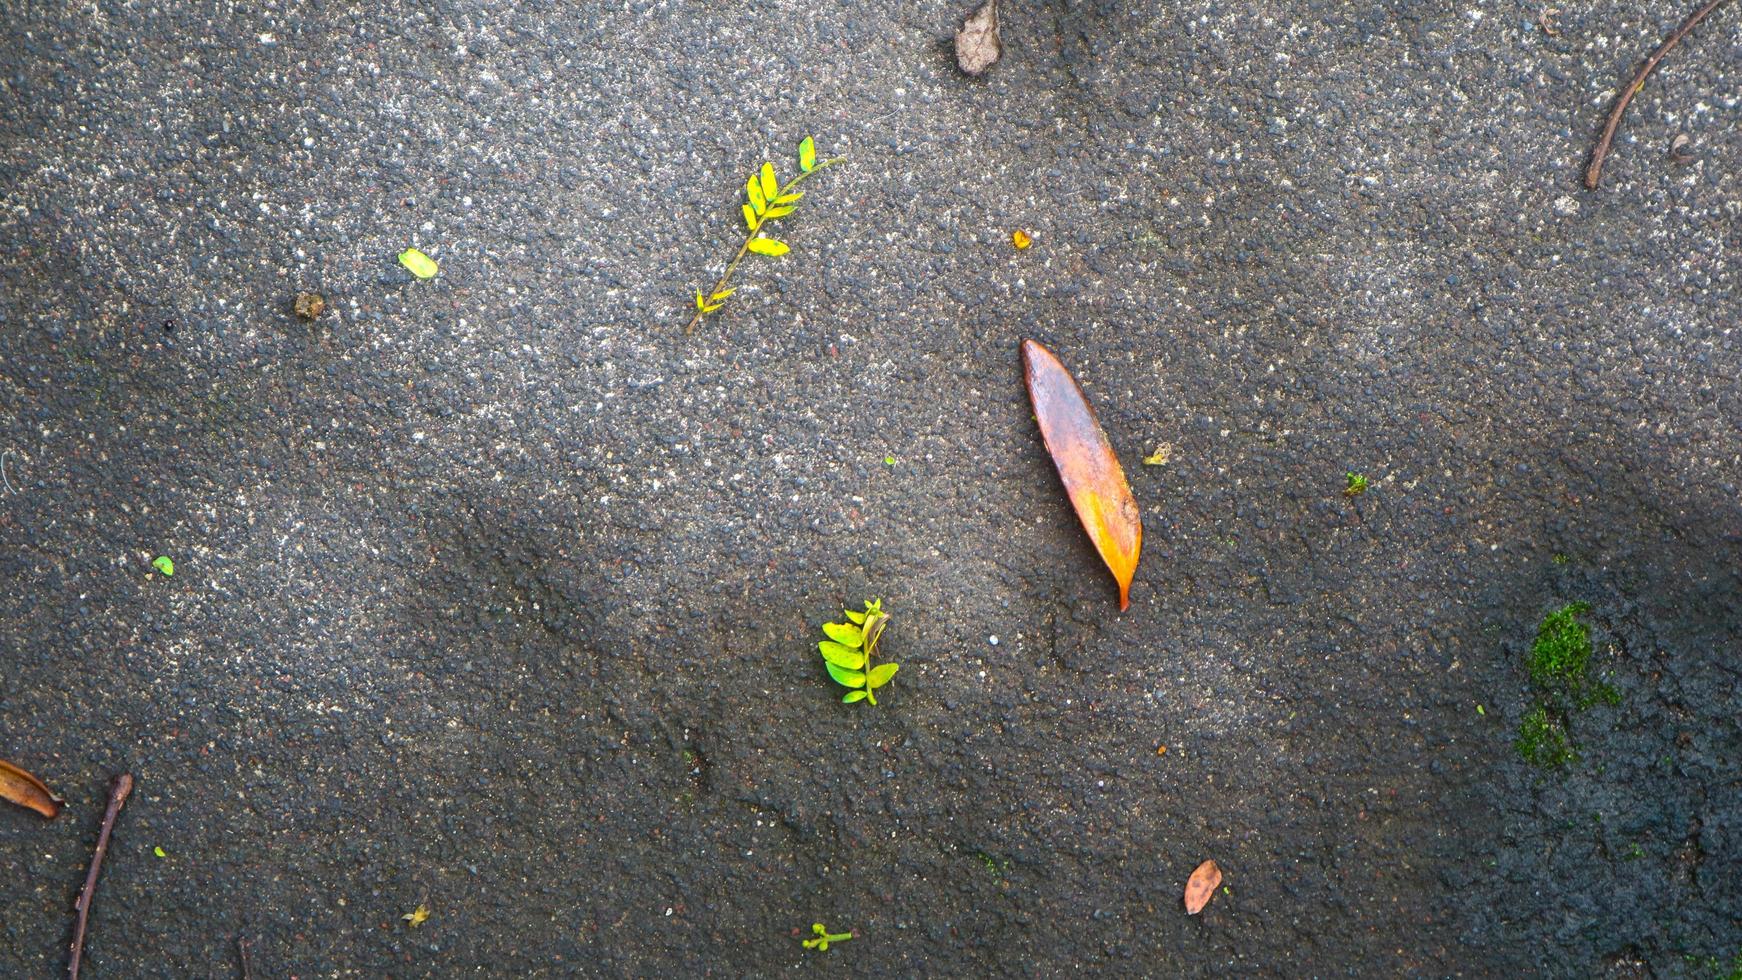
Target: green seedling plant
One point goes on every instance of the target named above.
(1560, 659)
(1355, 484)
(767, 200)
(824, 937)
(848, 652)
(1542, 740)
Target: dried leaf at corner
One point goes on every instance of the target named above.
(417, 916)
(977, 44)
(27, 791)
(1201, 887)
(1020, 239)
(1086, 464)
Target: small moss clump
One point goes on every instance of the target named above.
(1562, 651)
(1542, 740)
(1559, 663)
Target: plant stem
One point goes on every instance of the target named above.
(118, 794)
(1594, 172)
(754, 231)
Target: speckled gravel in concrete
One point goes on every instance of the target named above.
(498, 594)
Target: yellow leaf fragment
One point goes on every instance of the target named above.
(1020, 239)
(419, 264)
(417, 916)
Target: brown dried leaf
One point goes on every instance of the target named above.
(1086, 464)
(26, 790)
(977, 44)
(1202, 887)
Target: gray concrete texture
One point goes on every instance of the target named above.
(498, 594)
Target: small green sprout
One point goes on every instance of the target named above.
(768, 200)
(159, 852)
(848, 651)
(163, 564)
(889, 461)
(1356, 484)
(824, 937)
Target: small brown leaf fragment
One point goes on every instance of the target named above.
(27, 791)
(1678, 149)
(310, 306)
(1202, 887)
(1086, 463)
(977, 45)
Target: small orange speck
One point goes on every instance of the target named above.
(1161, 750)
(1020, 239)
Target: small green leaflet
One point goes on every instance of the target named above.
(881, 674)
(845, 677)
(807, 155)
(847, 636)
(779, 212)
(758, 200)
(770, 186)
(708, 307)
(852, 696)
(749, 217)
(842, 656)
(159, 852)
(857, 617)
(788, 198)
(163, 564)
(419, 264)
(768, 246)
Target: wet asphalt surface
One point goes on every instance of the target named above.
(497, 594)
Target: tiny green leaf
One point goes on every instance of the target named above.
(788, 198)
(701, 304)
(842, 656)
(770, 186)
(159, 852)
(419, 264)
(722, 294)
(768, 246)
(779, 212)
(845, 677)
(163, 564)
(749, 217)
(758, 200)
(807, 155)
(845, 635)
(852, 696)
(857, 617)
(881, 674)
(712, 307)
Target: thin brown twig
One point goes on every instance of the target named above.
(242, 944)
(1594, 172)
(117, 797)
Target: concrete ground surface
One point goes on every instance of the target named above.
(498, 594)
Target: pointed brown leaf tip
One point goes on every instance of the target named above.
(1201, 887)
(1086, 464)
(27, 791)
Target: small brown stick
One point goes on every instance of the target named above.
(242, 944)
(117, 797)
(1594, 172)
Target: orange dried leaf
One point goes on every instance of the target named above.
(26, 790)
(1020, 239)
(1202, 887)
(1086, 464)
